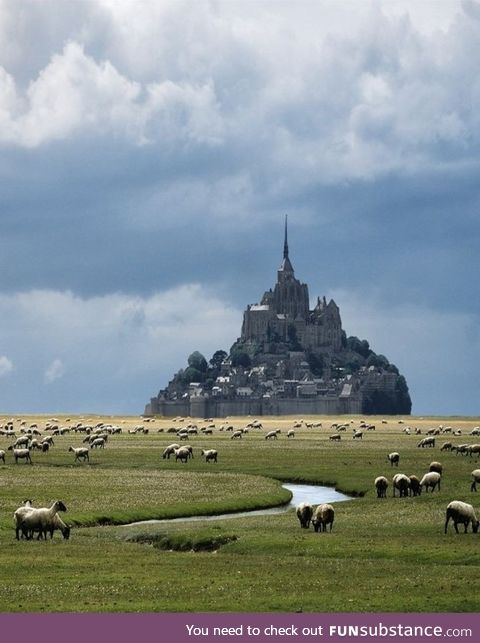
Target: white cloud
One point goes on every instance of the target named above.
(55, 371)
(6, 366)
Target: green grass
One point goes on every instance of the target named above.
(383, 555)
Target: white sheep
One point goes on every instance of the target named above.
(415, 488)
(210, 454)
(170, 450)
(270, 435)
(335, 437)
(381, 485)
(19, 514)
(427, 442)
(431, 480)
(98, 443)
(236, 434)
(41, 519)
(475, 478)
(182, 454)
(291, 433)
(21, 454)
(402, 483)
(81, 453)
(322, 516)
(436, 466)
(358, 435)
(56, 523)
(304, 513)
(461, 512)
(393, 458)
(474, 448)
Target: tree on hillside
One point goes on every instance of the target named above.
(197, 360)
(217, 358)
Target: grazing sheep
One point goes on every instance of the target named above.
(381, 485)
(475, 478)
(21, 454)
(393, 458)
(474, 448)
(461, 448)
(41, 519)
(461, 512)
(182, 454)
(210, 455)
(358, 435)
(475, 431)
(56, 523)
(19, 515)
(304, 513)
(436, 466)
(98, 443)
(402, 483)
(23, 441)
(81, 453)
(427, 442)
(446, 446)
(170, 450)
(415, 488)
(431, 480)
(45, 447)
(237, 434)
(269, 435)
(335, 437)
(322, 516)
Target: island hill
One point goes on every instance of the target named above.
(289, 360)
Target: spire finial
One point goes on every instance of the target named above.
(285, 245)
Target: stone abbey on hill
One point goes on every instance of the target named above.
(289, 360)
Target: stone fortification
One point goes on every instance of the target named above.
(288, 360)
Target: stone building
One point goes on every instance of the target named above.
(289, 360)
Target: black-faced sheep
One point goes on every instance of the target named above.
(431, 480)
(393, 458)
(402, 483)
(475, 478)
(323, 516)
(41, 519)
(381, 485)
(304, 514)
(461, 512)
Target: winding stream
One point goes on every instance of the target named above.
(314, 494)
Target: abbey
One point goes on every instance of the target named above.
(289, 360)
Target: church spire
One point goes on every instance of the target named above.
(286, 266)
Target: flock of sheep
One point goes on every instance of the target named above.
(30, 520)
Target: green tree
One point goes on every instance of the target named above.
(217, 358)
(192, 374)
(241, 358)
(197, 360)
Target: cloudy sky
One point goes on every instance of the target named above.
(149, 151)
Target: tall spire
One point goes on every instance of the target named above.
(285, 245)
(286, 266)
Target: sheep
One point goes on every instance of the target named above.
(304, 513)
(461, 448)
(415, 488)
(210, 454)
(461, 512)
(322, 516)
(446, 446)
(49, 440)
(237, 434)
(358, 434)
(170, 450)
(427, 442)
(436, 466)
(40, 519)
(393, 458)
(23, 441)
(270, 434)
(21, 454)
(432, 480)
(291, 433)
(2, 456)
(475, 431)
(80, 453)
(474, 448)
(475, 478)
(182, 454)
(335, 437)
(56, 523)
(402, 483)
(19, 514)
(98, 443)
(45, 447)
(381, 485)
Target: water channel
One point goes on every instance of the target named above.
(314, 494)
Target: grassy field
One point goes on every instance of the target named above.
(383, 555)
